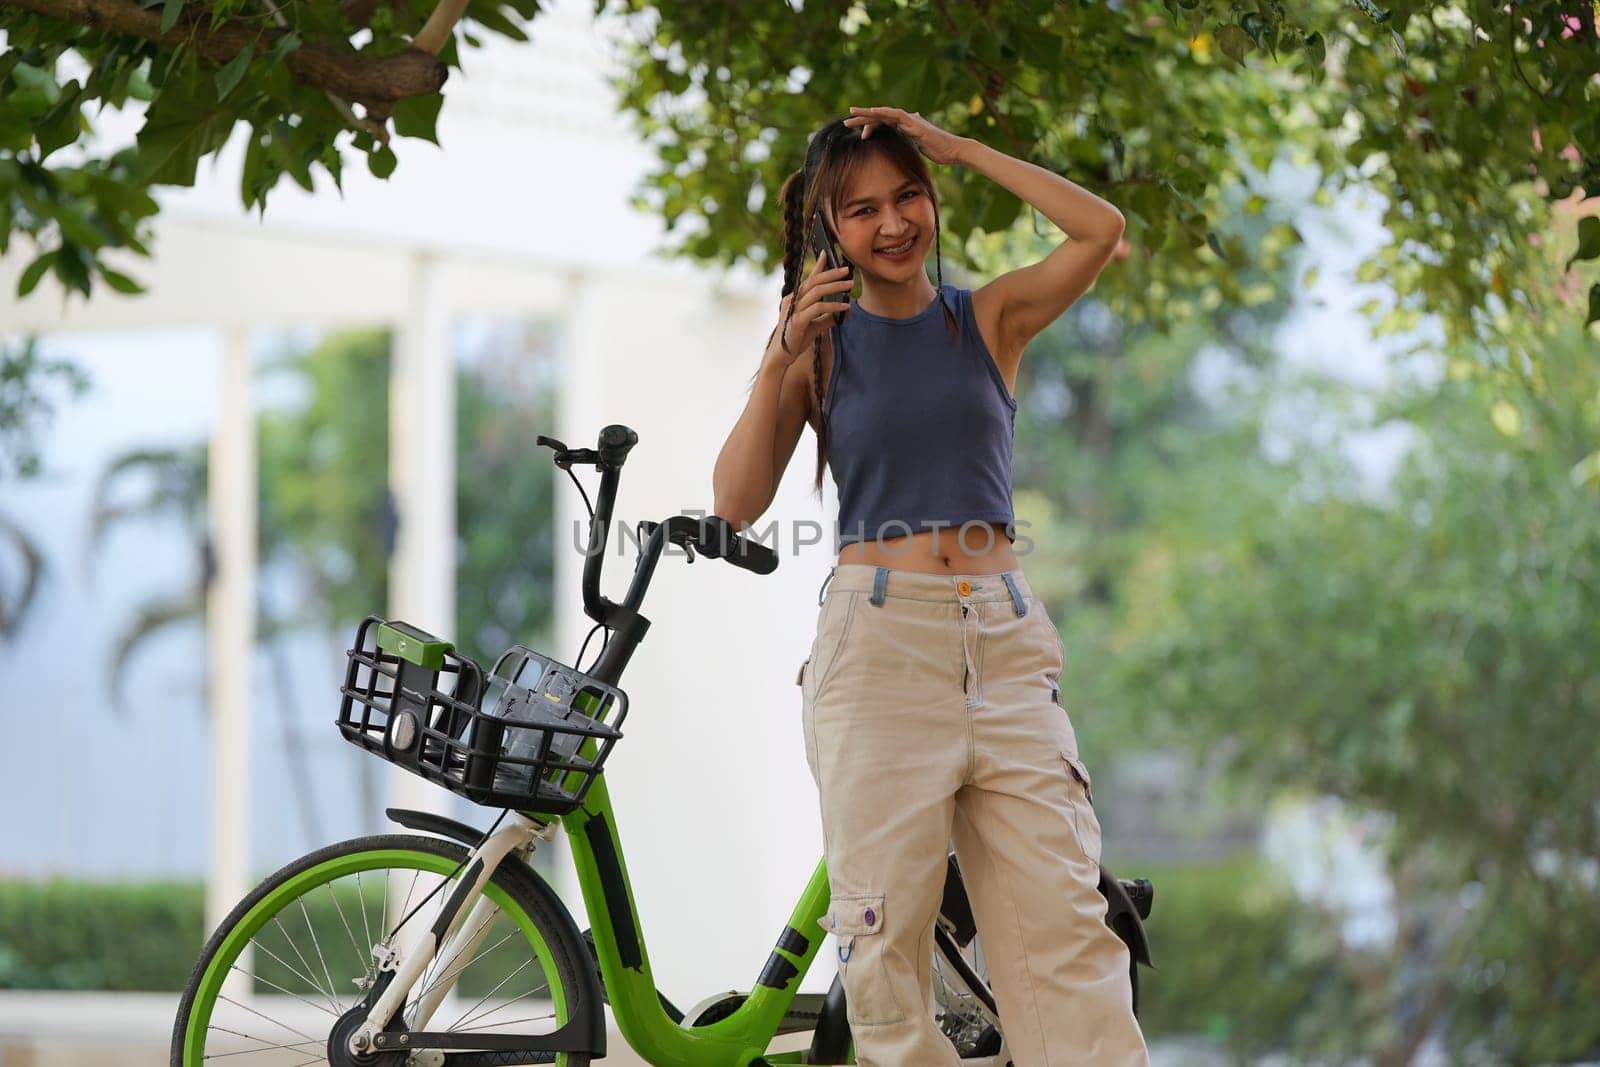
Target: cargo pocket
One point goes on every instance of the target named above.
(856, 923)
(1085, 824)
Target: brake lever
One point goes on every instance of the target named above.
(565, 457)
(685, 541)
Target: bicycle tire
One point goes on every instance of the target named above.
(529, 917)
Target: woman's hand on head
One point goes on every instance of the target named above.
(938, 145)
(812, 314)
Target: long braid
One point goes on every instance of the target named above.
(794, 199)
(951, 323)
(821, 398)
(793, 196)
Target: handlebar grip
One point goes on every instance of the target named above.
(615, 442)
(719, 538)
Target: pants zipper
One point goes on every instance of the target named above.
(966, 671)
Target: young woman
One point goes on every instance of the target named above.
(930, 697)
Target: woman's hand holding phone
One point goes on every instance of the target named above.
(816, 301)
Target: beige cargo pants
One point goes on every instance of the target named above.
(931, 712)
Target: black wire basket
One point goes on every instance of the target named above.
(532, 734)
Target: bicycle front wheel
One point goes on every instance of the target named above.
(296, 955)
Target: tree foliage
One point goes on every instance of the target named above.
(1465, 116)
(1425, 651)
(1461, 116)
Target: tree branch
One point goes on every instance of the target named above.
(369, 80)
(436, 31)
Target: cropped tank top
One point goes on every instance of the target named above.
(920, 426)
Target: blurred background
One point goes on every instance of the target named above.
(1311, 482)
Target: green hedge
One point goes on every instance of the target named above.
(1242, 960)
(111, 936)
(74, 935)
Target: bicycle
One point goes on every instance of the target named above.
(319, 964)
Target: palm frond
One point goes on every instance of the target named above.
(14, 604)
(153, 618)
(175, 484)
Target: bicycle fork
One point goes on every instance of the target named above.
(460, 938)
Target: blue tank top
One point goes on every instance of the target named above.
(920, 426)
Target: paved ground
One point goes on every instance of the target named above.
(111, 1030)
(133, 1029)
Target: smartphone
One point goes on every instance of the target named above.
(822, 241)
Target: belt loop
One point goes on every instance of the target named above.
(1016, 597)
(823, 589)
(880, 582)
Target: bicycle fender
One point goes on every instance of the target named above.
(428, 822)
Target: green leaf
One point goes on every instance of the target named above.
(1594, 305)
(381, 163)
(120, 282)
(1588, 240)
(999, 210)
(28, 76)
(282, 47)
(62, 124)
(229, 76)
(178, 130)
(170, 10)
(1234, 42)
(30, 277)
(72, 268)
(418, 116)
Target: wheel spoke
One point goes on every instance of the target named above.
(361, 899)
(312, 982)
(464, 1016)
(360, 952)
(316, 943)
(268, 1046)
(290, 968)
(286, 992)
(461, 965)
(268, 1018)
(504, 1022)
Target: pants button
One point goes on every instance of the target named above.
(964, 588)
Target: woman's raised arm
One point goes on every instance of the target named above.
(758, 449)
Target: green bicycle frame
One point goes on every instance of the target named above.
(735, 1041)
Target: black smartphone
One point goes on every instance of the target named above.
(822, 241)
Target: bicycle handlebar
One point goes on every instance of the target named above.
(712, 535)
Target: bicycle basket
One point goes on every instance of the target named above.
(532, 735)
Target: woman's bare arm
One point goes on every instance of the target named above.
(758, 448)
(1024, 301)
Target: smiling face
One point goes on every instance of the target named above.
(884, 220)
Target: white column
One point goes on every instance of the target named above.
(231, 627)
(422, 476)
(580, 413)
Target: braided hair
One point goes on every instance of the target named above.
(833, 154)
